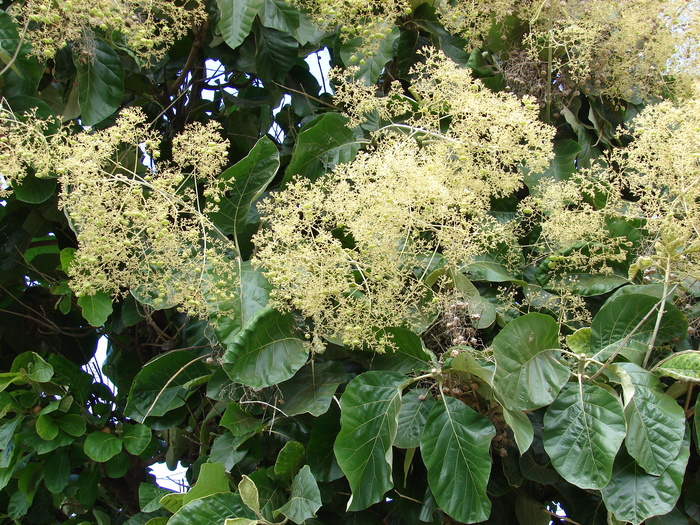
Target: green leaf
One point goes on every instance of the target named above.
(57, 471)
(633, 495)
(305, 499)
(237, 17)
(289, 460)
(23, 65)
(96, 308)
(683, 365)
(562, 166)
(583, 430)
(312, 388)
(33, 367)
(275, 54)
(117, 466)
(655, 421)
(323, 143)
(34, 190)
(528, 374)
(266, 352)
(319, 455)
(238, 421)
(407, 354)
(225, 449)
(369, 407)
(619, 317)
(279, 15)
(247, 179)
(522, 429)
(212, 479)
(150, 496)
(455, 449)
(415, 407)
(212, 509)
(163, 384)
(369, 68)
(477, 304)
(172, 501)
(249, 494)
(46, 427)
(101, 446)
(101, 83)
(72, 424)
(136, 439)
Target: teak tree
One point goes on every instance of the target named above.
(453, 281)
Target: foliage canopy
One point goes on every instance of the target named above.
(458, 284)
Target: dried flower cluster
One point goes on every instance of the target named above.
(351, 251)
(145, 27)
(139, 229)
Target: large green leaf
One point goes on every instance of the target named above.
(100, 83)
(247, 180)
(279, 15)
(289, 460)
(683, 365)
(212, 509)
(237, 17)
(455, 448)
(655, 421)
(212, 479)
(478, 306)
(561, 167)
(312, 388)
(371, 67)
(57, 470)
(305, 498)
(370, 408)
(583, 430)
(136, 438)
(164, 384)
(415, 408)
(319, 454)
(23, 65)
(276, 54)
(615, 324)
(34, 190)
(634, 495)
(407, 352)
(266, 352)
(238, 421)
(325, 142)
(528, 372)
(96, 308)
(102, 446)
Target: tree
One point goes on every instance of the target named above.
(458, 285)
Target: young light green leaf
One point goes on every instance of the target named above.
(478, 306)
(370, 407)
(32, 367)
(249, 494)
(237, 17)
(634, 495)
(655, 421)
(289, 460)
(455, 449)
(101, 84)
(528, 373)
(583, 430)
(305, 499)
(415, 407)
(102, 446)
(96, 308)
(683, 365)
(212, 479)
(266, 352)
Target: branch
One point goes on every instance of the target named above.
(191, 58)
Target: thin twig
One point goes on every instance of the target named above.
(19, 45)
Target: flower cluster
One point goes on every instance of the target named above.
(146, 27)
(352, 250)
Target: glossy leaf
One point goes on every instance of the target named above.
(655, 421)
(267, 351)
(276, 53)
(212, 509)
(237, 17)
(289, 460)
(370, 407)
(100, 83)
(46, 427)
(522, 429)
(455, 448)
(102, 446)
(96, 308)
(212, 479)
(634, 495)
(312, 388)
(683, 365)
(528, 374)
(583, 430)
(415, 407)
(136, 438)
(305, 498)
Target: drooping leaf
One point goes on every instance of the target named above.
(96, 308)
(163, 384)
(323, 143)
(305, 498)
(633, 495)
(522, 428)
(683, 365)
(655, 421)
(583, 430)
(279, 15)
(455, 449)
(528, 372)
(248, 179)
(102, 446)
(275, 54)
(237, 17)
(370, 407)
(312, 388)
(212, 509)
(266, 352)
(100, 83)
(212, 479)
(477, 305)
(415, 407)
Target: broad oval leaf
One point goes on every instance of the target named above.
(237, 17)
(275, 53)
(683, 365)
(96, 308)
(634, 495)
(528, 374)
(312, 388)
(415, 408)
(72, 424)
(46, 427)
(212, 479)
(655, 421)
(136, 438)
(100, 83)
(583, 430)
(289, 460)
(102, 446)
(455, 448)
(369, 407)
(267, 351)
(164, 384)
(305, 498)
(212, 509)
